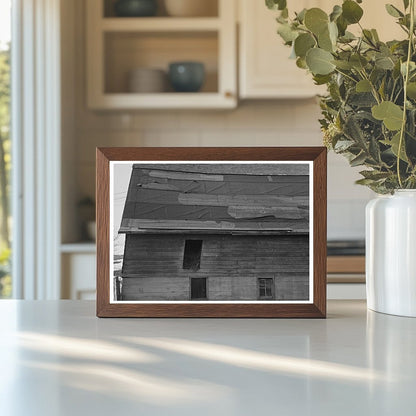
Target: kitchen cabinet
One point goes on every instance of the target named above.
(118, 45)
(78, 271)
(265, 70)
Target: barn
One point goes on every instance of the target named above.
(218, 232)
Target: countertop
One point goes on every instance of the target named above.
(57, 358)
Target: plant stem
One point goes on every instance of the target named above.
(346, 75)
(405, 81)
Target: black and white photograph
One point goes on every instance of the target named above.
(211, 232)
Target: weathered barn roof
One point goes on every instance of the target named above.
(217, 198)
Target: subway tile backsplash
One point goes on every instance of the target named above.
(257, 123)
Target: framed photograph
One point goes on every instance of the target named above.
(211, 232)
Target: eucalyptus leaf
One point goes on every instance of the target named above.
(363, 86)
(369, 36)
(336, 12)
(303, 43)
(316, 20)
(374, 174)
(301, 15)
(411, 90)
(345, 65)
(325, 42)
(358, 61)
(320, 61)
(276, 4)
(342, 25)
(393, 11)
(385, 62)
(343, 145)
(358, 160)
(333, 32)
(375, 35)
(285, 13)
(321, 79)
(301, 63)
(394, 145)
(351, 11)
(388, 112)
(347, 37)
(287, 33)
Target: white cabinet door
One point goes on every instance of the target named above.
(79, 276)
(265, 68)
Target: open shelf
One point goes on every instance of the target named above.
(126, 51)
(210, 9)
(119, 45)
(80, 247)
(167, 100)
(160, 24)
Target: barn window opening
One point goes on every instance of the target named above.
(199, 288)
(192, 254)
(265, 288)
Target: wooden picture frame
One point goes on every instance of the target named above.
(110, 304)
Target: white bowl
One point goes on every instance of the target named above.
(191, 8)
(147, 80)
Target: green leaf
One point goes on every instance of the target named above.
(301, 63)
(406, 4)
(325, 42)
(368, 36)
(375, 35)
(287, 33)
(321, 79)
(316, 20)
(319, 61)
(345, 65)
(276, 4)
(301, 15)
(351, 11)
(384, 62)
(394, 145)
(333, 32)
(393, 11)
(363, 86)
(336, 12)
(358, 61)
(374, 174)
(303, 43)
(343, 145)
(411, 90)
(358, 160)
(347, 37)
(388, 112)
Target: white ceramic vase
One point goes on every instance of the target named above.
(391, 253)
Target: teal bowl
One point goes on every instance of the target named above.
(135, 8)
(186, 76)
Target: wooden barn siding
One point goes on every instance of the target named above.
(152, 267)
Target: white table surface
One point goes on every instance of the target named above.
(57, 358)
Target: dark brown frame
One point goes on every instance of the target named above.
(317, 309)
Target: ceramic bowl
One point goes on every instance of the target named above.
(186, 76)
(135, 8)
(147, 80)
